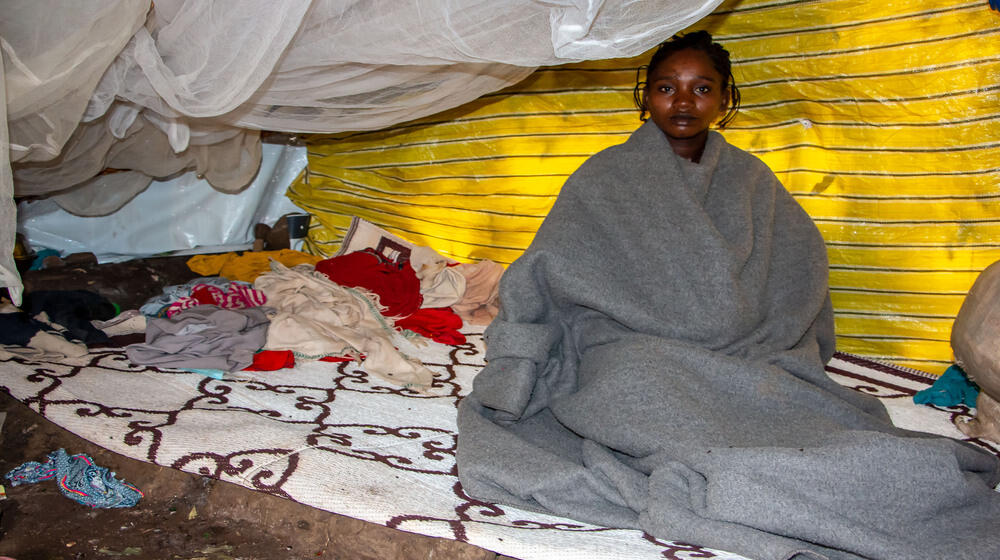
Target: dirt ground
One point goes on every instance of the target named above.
(182, 516)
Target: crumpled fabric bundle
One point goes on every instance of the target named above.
(480, 301)
(73, 309)
(79, 479)
(34, 337)
(203, 337)
(441, 284)
(237, 295)
(952, 388)
(247, 266)
(439, 324)
(131, 321)
(315, 317)
(158, 305)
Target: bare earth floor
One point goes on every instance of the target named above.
(181, 516)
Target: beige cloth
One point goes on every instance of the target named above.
(480, 302)
(315, 317)
(131, 321)
(440, 285)
(46, 346)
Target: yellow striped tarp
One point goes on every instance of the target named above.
(882, 120)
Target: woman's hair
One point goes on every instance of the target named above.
(699, 41)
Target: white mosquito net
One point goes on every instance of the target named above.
(152, 90)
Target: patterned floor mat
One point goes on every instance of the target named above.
(329, 436)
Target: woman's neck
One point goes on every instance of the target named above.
(689, 148)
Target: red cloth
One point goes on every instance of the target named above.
(270, 360)
(202, 296)
(396, 284)
(440, 324)
(336, 359)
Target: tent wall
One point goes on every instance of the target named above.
(882, 119)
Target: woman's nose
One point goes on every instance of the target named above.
(684, 99)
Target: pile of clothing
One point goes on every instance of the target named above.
(266, 310)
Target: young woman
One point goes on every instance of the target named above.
(658, 361)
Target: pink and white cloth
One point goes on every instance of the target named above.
(237, 295)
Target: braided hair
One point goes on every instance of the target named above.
(699, 41)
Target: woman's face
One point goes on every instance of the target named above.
(685, 95)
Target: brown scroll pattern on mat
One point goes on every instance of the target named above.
(324, 434)
(333, 437)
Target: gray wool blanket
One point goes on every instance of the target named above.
(658, 364)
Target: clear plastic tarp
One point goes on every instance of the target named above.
(170, 215)
(188, 85)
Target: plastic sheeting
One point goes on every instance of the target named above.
(208, 75)
(176, 215)
(883, 120)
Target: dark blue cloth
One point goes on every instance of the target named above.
(17, 329)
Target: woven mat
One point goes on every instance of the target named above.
(329, 436)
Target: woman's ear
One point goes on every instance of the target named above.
(724, 105)
(641, 99)
(726, 97)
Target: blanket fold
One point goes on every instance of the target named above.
(658, 363)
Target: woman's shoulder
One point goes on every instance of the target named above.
(638, 145)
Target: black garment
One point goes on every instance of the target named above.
(72, 309)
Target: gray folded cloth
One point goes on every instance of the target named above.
(203, 337)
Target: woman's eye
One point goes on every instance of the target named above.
(703, 89)
(666, 89)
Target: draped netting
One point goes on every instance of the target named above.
(126, 86)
